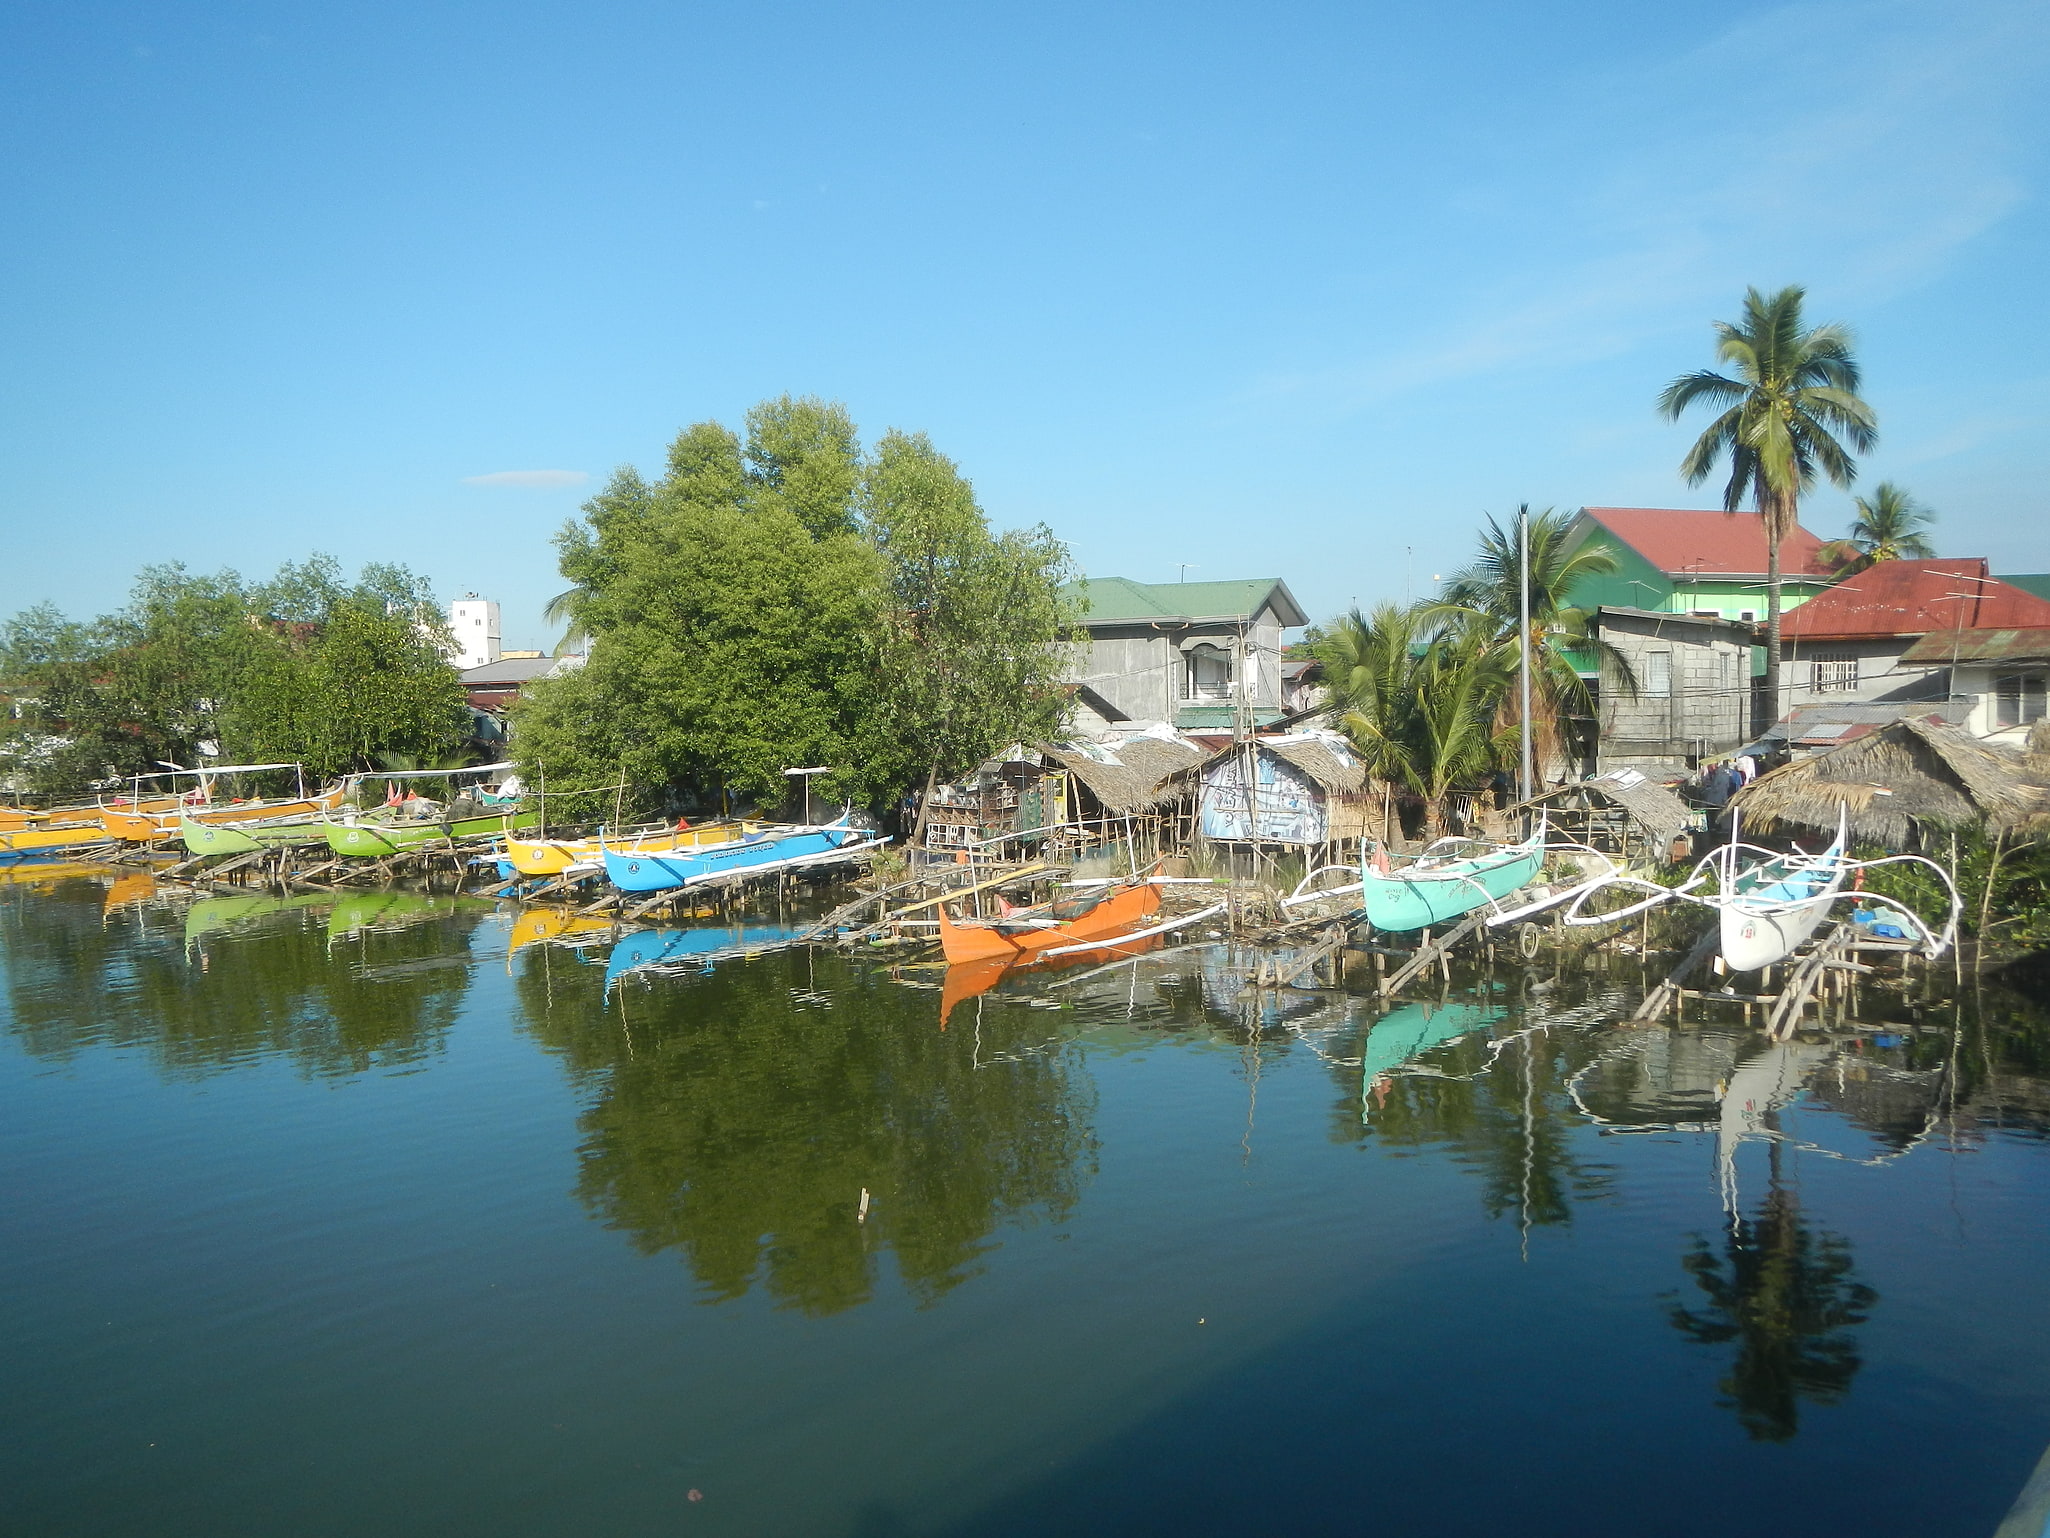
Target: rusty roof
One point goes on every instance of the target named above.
(1911, 598)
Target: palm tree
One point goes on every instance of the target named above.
(1795, 395)
(1889, 527)
(1417, 697)
(1488, 593)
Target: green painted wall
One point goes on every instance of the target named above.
(1637, 584)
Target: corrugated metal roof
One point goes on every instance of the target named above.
(2011, 645)
(1689, 543)
(1111, 600)
(1910, 598)
(2037, 582)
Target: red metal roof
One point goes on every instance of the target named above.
(1688, 542)
(1909, 598)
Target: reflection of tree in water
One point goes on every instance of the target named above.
(1506, 1118)
(267, 982)
(740, 1125)
(1784, 1293)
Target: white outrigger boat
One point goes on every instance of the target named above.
(1768, 902)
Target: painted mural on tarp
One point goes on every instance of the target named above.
(1285, 806)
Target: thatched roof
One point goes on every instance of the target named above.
(1661, 814)
(1336, 775)
(1907, 775)
(1135, 780)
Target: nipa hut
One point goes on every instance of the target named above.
(1903, 783)
(1302, 789)
(1623, 812)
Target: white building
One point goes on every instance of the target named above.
(474, 623)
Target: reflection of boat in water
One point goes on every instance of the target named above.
(971, 979)
(1435, 887)
(361, 911)
(647, 948)
(1760, 1087)
(1415, 1029)
(130, 887)
(1096, 913)
(37, 872)
(217, 915)
(532, 926)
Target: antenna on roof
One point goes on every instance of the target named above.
(1184, 567)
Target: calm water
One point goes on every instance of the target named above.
(388, 1217)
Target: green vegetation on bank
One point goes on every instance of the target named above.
(782, 599)
(305, 667)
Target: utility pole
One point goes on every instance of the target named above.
(1526, 786)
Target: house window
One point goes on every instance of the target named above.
(2017, 699)
(1209, 673)
(1658, 675)
(1833, 673)
(1748, 616)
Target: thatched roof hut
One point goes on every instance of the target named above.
(1130, 777)
(1623, 810)
(1901, 783)
(1301, 787)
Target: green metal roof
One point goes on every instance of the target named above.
(1111, 599)
(2034, 582)
(1217, 718)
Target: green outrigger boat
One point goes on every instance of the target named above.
(1433, 888)
(384, 834)
(247, 837)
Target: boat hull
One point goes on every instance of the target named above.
(376, 840)
(557, 856)
(1128, 909)
(48, 843)
(650, 869)
(207, 838)
(1418, 898)
(154, 827)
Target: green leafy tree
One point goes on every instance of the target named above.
(1890, 525)
(1489, 593)
(970, 625)
(1793, 398)
(779, 600)
(306, 667)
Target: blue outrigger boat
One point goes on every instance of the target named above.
(1435, 887)
(651, 867)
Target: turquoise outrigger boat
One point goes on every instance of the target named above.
(1433, 888)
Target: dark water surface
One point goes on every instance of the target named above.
(389, 1217)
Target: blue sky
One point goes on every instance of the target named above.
(1281, 289)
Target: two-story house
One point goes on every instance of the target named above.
(1191, 654)
(1690, 561)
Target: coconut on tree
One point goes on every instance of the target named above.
(1791, 411)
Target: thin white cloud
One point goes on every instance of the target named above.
(1859, 148)
(528, 478)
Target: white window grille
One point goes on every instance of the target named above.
(1658, 675)
(2018, 699)
(1833, 673)
(1208, 673)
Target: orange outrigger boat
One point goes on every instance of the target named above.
(1102, 914)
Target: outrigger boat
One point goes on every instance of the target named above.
(1092, 913)
(49, 843)
(1766, 909)
(197, 805)
(531, 857)
(208, 838)
(1435, 887)
(653, 865)
(392, 832)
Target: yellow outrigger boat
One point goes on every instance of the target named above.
(45, 843)
(559, 856)
(151, 827)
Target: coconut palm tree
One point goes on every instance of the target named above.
(1888, 527)
(1418, 697)
(1562, 636)
(1789, 414)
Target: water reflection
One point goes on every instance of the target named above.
(230, 979)
(738, 1116)
(1783, 1291)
